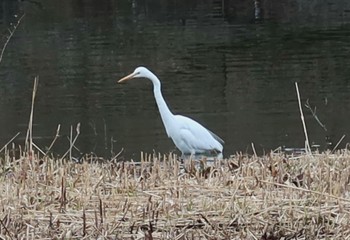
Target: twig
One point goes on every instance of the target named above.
(30, 125)
(9, 141)
(307, 145)
(313, 112)
(54, 140)
(10, 36)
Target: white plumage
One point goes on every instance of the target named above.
(189, 136)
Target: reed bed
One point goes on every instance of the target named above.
(244, 197)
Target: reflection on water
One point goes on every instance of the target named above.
(217, 65)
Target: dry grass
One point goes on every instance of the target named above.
(269, 197)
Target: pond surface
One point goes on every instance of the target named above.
(218, 64)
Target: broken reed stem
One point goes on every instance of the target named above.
(54, 140)
(307, 145)
(9, 142)
(253, 147)
(306, 190)
(313, 112)
(71, 143)
(10, 36)
(37, 148)
(341, 139)
(118, 154)
(84, 223)
(30, 125)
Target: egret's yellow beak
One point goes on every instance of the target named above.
(126, 78)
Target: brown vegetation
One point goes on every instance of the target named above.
(271, 197)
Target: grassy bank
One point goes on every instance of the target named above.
(240, 198)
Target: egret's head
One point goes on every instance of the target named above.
(139, 72)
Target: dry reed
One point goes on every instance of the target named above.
(270, 197)
(307, 144)
(8, 38)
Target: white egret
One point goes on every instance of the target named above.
(189, 136)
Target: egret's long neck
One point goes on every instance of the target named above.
(165, 113)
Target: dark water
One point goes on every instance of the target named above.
(231, 72)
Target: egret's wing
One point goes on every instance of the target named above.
(198, 137)
(219, 139)
(191, 141)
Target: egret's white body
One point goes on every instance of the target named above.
(189, 136)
